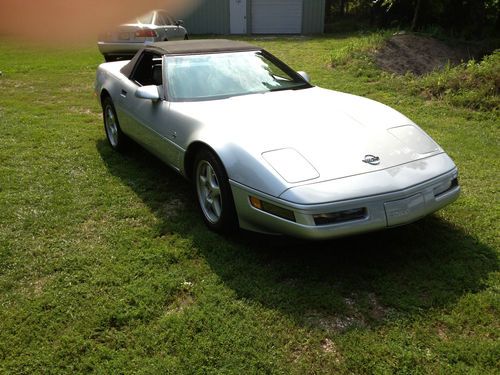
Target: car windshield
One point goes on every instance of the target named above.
(222, 75)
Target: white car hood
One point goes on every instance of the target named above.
(332, 131)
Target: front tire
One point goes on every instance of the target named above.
(213, 193)
(116, 138)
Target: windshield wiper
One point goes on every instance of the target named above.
(290, 88)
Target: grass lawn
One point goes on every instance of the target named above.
(106, 266)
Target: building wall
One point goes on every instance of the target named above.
(313, 16)
(212, 17)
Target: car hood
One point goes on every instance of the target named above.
(311, 135)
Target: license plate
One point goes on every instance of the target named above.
(404, 210)
(124, 36)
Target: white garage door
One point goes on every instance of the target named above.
(276, 16)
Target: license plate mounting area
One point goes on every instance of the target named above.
(405, 210)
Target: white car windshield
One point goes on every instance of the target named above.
(221, 75)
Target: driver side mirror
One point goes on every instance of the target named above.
(304, 75)
(148, 92)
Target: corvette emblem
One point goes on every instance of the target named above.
(371, 159)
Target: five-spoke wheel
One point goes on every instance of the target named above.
(115, 136)
(213, 192)
(208, 190)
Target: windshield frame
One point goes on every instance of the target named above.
(302, 83)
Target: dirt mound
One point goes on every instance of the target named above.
(420, 55)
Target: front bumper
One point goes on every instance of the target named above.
(381, 211)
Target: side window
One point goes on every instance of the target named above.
(148, 70)
(159, 20)
(162, 19)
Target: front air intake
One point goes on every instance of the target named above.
(446, 188)
(340, 216)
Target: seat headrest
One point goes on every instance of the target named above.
(157, 77)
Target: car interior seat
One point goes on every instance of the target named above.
(156, 75)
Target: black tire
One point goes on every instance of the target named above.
(213, 193)
(116, 138)
(109, 58)
(186, 37)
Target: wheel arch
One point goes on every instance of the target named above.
(190, 156)
(226, 220)
(104, 94)
(240, 165)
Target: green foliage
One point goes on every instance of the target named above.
(458, 18)
(473, 84)
(358, 48)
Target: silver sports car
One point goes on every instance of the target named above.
(265, 149)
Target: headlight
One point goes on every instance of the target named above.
(414, 138)
(290, 165)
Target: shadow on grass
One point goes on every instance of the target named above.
(332, 285)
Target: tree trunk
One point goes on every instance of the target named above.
(415, 15)
(343, 6)
(328, 10)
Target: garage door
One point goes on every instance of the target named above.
(276, 16)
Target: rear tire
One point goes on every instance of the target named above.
(116, 138)
(213, 193)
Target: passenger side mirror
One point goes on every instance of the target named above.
(148, 92)
(179, 22)
(304, 75)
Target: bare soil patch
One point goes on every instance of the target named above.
(420, 55)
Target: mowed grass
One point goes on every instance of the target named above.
(106, 266)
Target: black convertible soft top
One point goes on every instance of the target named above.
(191, 47)
(185, 47)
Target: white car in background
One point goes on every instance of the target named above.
(127, 39)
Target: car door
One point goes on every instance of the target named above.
(148, 121)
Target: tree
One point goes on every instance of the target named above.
(462, 18)
(343, 6)
(415, 14)
(389, 4)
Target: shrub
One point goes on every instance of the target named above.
(473, 84)
(358, 48)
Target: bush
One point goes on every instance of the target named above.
(357, 48)
(473, 84)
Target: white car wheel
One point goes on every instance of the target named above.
(209, 195)
(114, 134)
(213, 193)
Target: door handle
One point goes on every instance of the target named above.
(123, 93)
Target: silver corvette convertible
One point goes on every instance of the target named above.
(265, 149)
